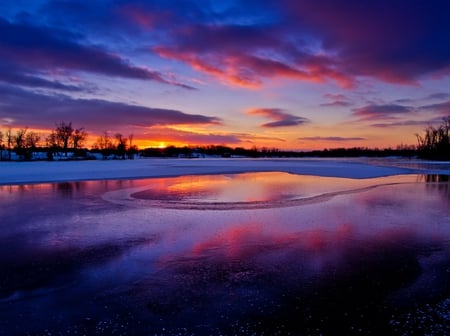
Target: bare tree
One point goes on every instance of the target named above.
(121, 145)
(31, 143)
(105, 144)
(52, 144)
(32, 139)
(9, 141)
(19, 141)
(132, 149)
(78, 138)
(64, 133)
(435, 143)
(1, 145)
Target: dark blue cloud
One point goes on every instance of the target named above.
(392, 41)
(17, 75)
(395, 41)
(20, 107)
(48, 49)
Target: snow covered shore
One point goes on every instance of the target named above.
(43, 171)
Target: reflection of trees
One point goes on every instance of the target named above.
(67, 188)
(438, 182)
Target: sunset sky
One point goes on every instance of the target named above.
(289, 74)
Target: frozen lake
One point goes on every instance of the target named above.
(233, 254)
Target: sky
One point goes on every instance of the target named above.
(286, 74)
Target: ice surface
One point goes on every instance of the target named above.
(302, 246)
(34, 172)
(104, 257)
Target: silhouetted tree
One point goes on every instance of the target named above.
(78, 138)
(105, 144)
(64, 137)
(435, 143)
(1, 145)
(132, 149)
(9, 141)
(63, 134)
(19, 142)
(31, 141)
(121, 145)
(52, 145)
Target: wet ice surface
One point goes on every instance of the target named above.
(254, 253)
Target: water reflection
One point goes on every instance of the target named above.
(247, 187)
(242, 191)
(367, 259)
(437, 182)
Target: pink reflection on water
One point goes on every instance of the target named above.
(385, 234)
(247, 187)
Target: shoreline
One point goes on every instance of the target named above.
(14, 173)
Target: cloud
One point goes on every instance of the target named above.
(22, 106)
(337, 103)
(12, 74)
(439, 96)
(173, 135)
(317, 41)
(49, 49)
(238, 69)
(385, 111)
(337, 100)
(393, 42)
(331, 138)
(279, 117)
(421, 123)
(441, 108)
(243, 44)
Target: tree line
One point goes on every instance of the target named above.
(61, 141)
(433, 144)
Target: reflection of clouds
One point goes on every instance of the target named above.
(313, 274)
(256, 190)
(307, 253)
(343, 254)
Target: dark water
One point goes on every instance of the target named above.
(248, 254)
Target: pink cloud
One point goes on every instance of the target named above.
(248, 70)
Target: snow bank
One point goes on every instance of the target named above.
(35, 172)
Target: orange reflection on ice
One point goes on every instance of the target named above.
(245, 188)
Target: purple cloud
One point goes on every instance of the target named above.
(392, 41)
(331, 138)
(422, 123)
(279, 117)
(337, 100)
(11, 74)
(441, 108)
(21, 106)
(385, 111)
(243, 43)
(49, 49)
